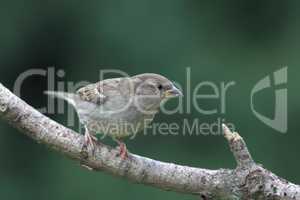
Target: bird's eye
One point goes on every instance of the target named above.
(160, 87)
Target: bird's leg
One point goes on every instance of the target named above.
(89, 140)
(93, 137)
(123, 149)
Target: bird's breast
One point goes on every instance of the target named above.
(119, 124)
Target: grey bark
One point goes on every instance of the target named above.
(247, 181)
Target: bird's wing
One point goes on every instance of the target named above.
(93, 93)
(101, 91)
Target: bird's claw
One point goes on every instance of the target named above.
(123, 151)
(89, 141)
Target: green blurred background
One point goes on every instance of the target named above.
(241, 41)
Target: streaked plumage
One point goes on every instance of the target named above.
(120, 107)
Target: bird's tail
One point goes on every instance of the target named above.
(69, 97)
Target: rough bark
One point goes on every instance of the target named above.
(248, 181)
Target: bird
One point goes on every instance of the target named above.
(119, 107)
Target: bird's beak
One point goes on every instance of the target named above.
(174, 92)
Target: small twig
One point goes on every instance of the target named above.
(238, 148)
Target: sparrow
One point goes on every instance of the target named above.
(119, 107)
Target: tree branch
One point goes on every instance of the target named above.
(247, 181)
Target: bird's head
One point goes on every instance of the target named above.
(152, 89)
